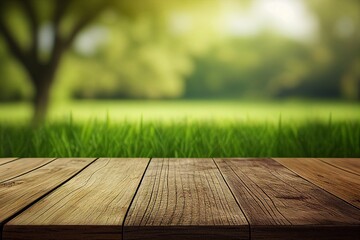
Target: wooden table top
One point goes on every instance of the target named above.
(169, 198)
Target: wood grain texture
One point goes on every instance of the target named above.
(21, 166)
(91, 205)
(18, 193)
(184, 199)
(339, 177)
(279, 204)
(6, 160)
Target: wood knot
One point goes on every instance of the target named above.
(11, 183)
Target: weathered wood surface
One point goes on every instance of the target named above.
(22, 166)
(180, 199)
(92, 205)
(184, 199)
(6, 160)
(340, 177)
(281, 205)
(18, 193)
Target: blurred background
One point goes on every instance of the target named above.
(133, 58)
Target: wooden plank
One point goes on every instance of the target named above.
(339, 177)
(21, 166)
(91, 205)
(279, 204)
(184, 199)
(20, 192)
(6, 160)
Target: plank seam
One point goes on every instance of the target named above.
(133, 198)
(41, 197)
(9, 161)
(308, 180)
(247, 220)
(31, 170)
(338, 167)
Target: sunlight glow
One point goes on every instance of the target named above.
(286, 17)
(45, 36)
(88, 42)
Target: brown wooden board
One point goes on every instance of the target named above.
(91, 205)
(6, 160)
(279, 204)
(184, 199)
(21, 166)
(339, 177)
(18, 193)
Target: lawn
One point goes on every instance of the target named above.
(184, 129)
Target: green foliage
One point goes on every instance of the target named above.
(13, 81)
(140, 63)
(140, 54)
(260, 66)
(338, 48)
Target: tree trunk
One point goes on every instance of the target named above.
(42, 74)
(41, 100)
(42, 78)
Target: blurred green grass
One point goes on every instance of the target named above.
(190, 110)
(184, 129)
(182, 139)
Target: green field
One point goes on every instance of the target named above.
(184, 129)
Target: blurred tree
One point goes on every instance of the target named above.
(22, 22)
(137, 61)
(57, 14)
(150, 47)
(260, 66)
(327, 65)
(13, 84)
(337, 52)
